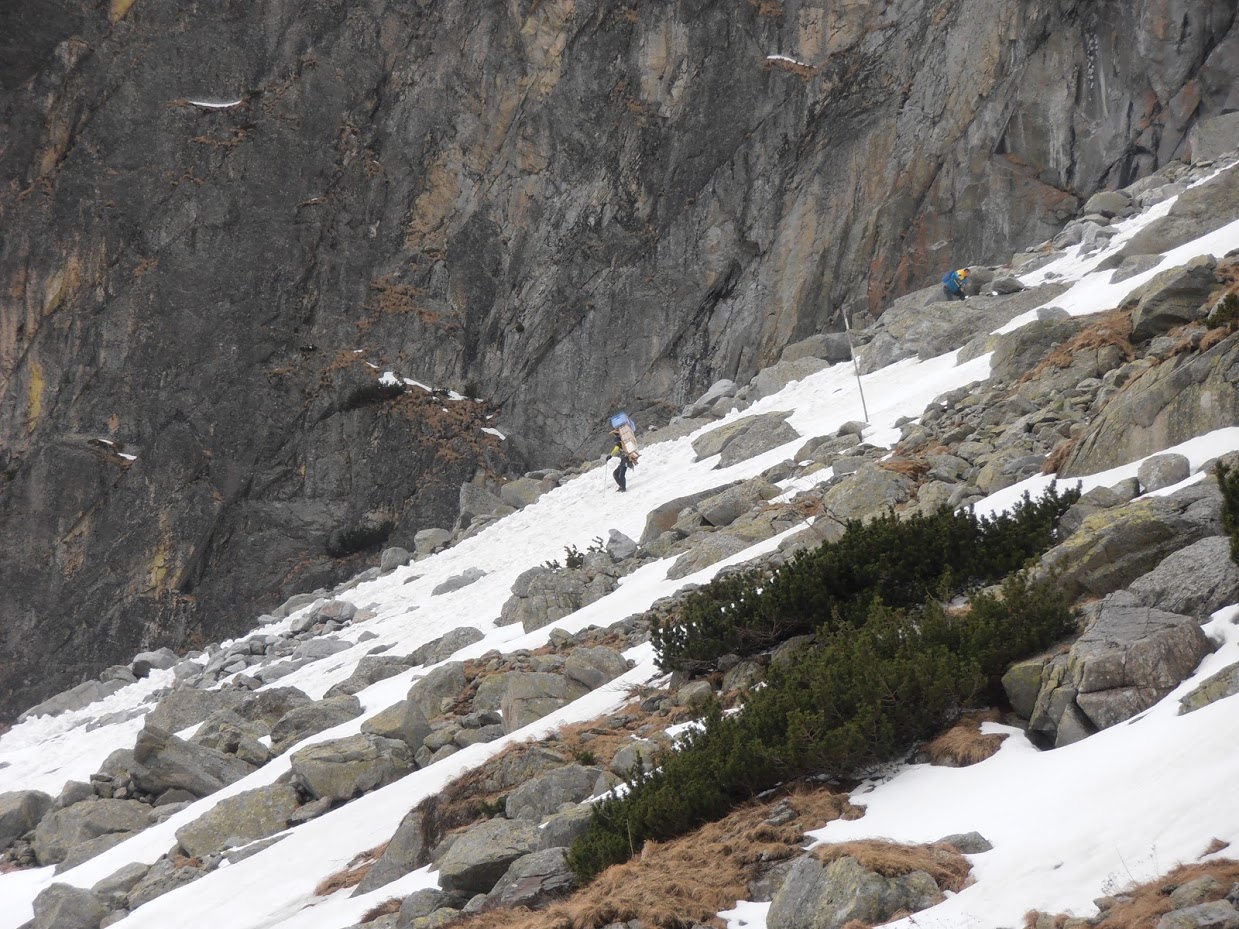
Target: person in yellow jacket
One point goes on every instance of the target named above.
(626, 461)
(953, 283)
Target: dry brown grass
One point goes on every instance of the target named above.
(1142, 906)
(964, 744)
(1058, 457)
(1215, 846)
(915, 468)
(676, 884)
(352, 874)
(943, 863)
(1112, 328)
(386, 908)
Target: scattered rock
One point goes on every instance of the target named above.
(482, 854)
(61, 830)
(1161, 471)
(817, 896)
(312, 719)
(533, 879)
(345, 768)
(20, 811)
(1195, 580)
(1173, 298)
(245, 817)
(62, 906)
(530, 695)
(464, 579)
(1219, 686)
(440, 684)
(545, 794)
(404, 721)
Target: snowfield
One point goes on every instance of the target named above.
(1067, 826)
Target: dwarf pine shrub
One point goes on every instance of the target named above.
(864, 695)
(900, 560)
(1228, 482)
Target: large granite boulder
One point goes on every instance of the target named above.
(1218, 686)
(817, 896)
(533, 880)
(159, 761)
(868, 492)
(751, 435)
(60, 831)
(1198, 211)
(594, 666)
(664, 516)
(165, 876)
(1185, 396)
(184, 707)
(406, 850)
(482, 855)
(312, 719)
(1195, 580)
(543, 795)
(271, 704)
(439, 685)
(1174, 298)
(20, 811)
(724, 508)
(403, 720)
(1115, 546)
(769, 381)
(370, 670)
(227, 732)
(707, 550)
(345, 768)
(553, 594)
(530, 695)
(62, 906)
(445, 646)
(236, 820)
(1019, 351)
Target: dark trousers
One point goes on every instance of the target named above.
(952, 294)
(620, 470)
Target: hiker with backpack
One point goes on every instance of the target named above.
(626, 460)
(953, 283)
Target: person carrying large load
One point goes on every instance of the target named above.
(953, 283)
(624, 447)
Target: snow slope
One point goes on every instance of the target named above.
(1067, 825)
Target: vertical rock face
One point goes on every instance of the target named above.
(207, 210)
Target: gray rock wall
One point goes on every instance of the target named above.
(479, 195)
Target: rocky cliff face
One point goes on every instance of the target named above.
(560, 205)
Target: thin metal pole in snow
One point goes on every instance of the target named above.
(855, 364)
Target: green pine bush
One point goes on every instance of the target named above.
(900, 560)
(866, 694)
(1228, 482)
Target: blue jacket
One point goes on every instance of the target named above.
(954, 280)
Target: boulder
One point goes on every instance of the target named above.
(1162, 471)
(533, 880)
(694, 693)
(709, 549)
(817, 896)
(594, 666)
(1174, 298)
(1130, 658)
(61, 830)
(319, 648)
(464, 579)
(161, 659)
(1194, 581)
(523, 491)
(530, 695)
(1214, 139)
(724, 508)
(312, 719)
(428, 541)
(159, 761)
(1022, 683)
(1223, 684)
(227, 732)
(184, 708)
(1107, 203)
(1197, 211)
(404, 721)
(421, 908)
(83, 695)
(406, 850)
(560, 830)
(718, 390)
(1018, 352)
(830, 346)
(117, 884)
(164, 877)
(482, 855)
(1220, 914)
(545, 794)
(345, 768)
(392, 558)
(20, 811)
(340, 611)
(642, 752)
(269, 705)
(870, 491)
(1115, 546)
(370, 670)
(765, 433)
(476, 501)
(619, 546)
(439, 685)
(62, 906)
(236, 820)
(663, 517)
(769, 381)
(446, 645)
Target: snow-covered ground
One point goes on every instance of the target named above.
(1067, 825)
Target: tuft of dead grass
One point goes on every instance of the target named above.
(684, 882)
(1143, 905)
(1112, 328)
(1058, 457)
(1215, 845)
(386, 908)
(915, 468)
(352, 874)
(944, 863)
(964, 744)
